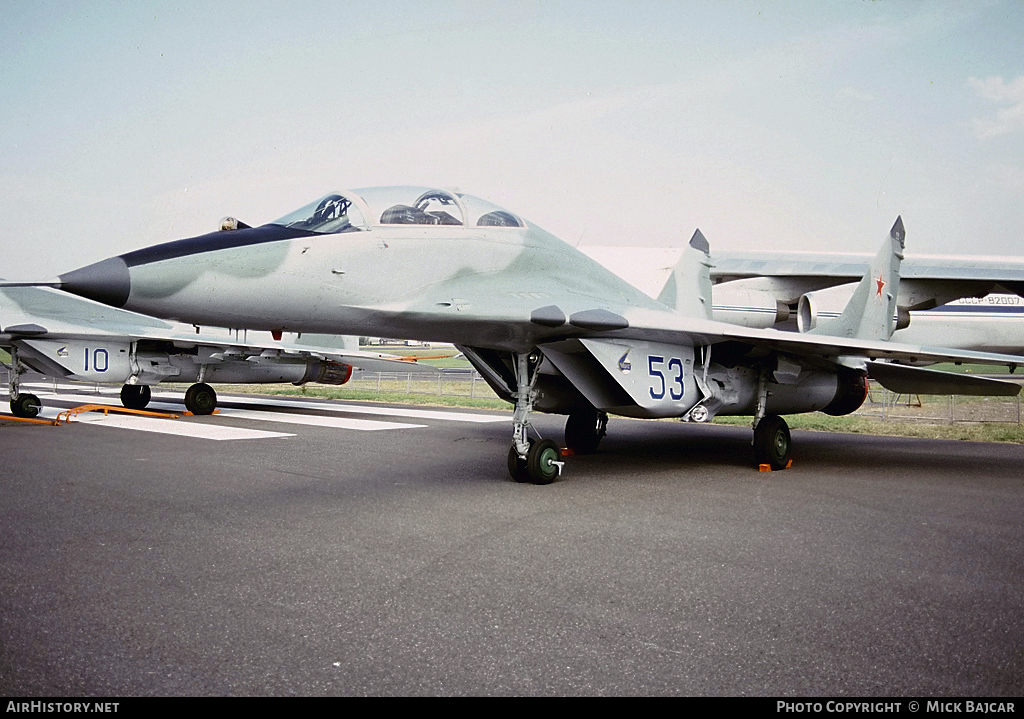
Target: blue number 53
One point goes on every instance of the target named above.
(654, 364)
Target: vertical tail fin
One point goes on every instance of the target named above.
(869, 315)
(688, 289)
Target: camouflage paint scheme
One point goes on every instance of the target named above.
(549, 328)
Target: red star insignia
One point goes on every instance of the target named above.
(880, 284)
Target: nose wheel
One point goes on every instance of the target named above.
(25, 405)
(543, 463)
(536, 461)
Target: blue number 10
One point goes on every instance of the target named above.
(99, 357)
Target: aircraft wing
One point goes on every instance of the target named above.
(920, 380)
(33, 311)
(43, 314)
(849, 267)
(659, 327)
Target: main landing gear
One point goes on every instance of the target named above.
(772, 443)
(136, 396)
(537, 461)
(585, 430)
(200, 398)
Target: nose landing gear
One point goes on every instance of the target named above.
(23, 405)
(533, 461)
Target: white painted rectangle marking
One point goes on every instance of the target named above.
(177, 427)
(365, 425)
(363, 409)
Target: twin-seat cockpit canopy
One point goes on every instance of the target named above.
(383, 206)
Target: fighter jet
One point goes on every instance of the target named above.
(547, 327)
(51, 333)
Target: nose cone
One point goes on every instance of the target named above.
(108, 282)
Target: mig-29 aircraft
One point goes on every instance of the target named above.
(549, 329)
(51, 333)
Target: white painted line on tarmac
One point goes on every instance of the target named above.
(363, 409)
(176, 427)
(366, 425)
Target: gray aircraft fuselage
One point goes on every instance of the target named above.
(549, 328)
(464, 284)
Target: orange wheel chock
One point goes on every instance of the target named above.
(768, 467)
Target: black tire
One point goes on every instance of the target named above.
(516, 466)
(772, 443)
(584, 431)
(200, 399)
(26, 405)
(136, 396)
(539, 462)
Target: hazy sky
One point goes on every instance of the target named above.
(770, 125)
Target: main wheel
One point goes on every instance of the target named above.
(772, 443)
(136, 396)
(26, 405)
(200, 399)
(584, 431)
(540, 462)
(517, 466)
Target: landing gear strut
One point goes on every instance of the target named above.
(22, 405)
(528, 460)
(772, 443)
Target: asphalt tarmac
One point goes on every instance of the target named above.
(324, 558)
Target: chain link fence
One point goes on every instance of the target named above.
(883, 405)
(447, 383)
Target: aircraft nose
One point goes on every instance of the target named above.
(107, 281)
